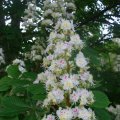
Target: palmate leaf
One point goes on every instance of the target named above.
(7, 82)
(101, 100)
(13, 106)
(13, 102)
(38, 91)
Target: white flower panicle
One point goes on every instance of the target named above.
(2, 60)
(67, 78)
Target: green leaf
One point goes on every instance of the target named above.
(39, 97)
(31, 117)
(13, 106)
(12, 112)
(5, 83)
(13, 102)
(29, 76)
(18, 82)
(9, 118)
(19, 89)
(102, 114)
(101, 100)
(38, 91)
(13, 71)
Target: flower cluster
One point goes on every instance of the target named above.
(81, 113)
(31, 17)
(57, 9)
(115, 110)
(2, 61)
(66, 77)
(36, 51)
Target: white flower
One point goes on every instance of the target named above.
(50, 57)
(56, 96)
(46, 3)
(81, 60)
(62, 47)
(58, 64)
(76, 41)
(65, 114)
(69, 82)
(47, 22)
(47, 12)
(49, 48)
(86, 76)
(18, 62)
(86, 97)
(71, 5)
(61, 63)
(52, 36)
(74, 97)
(75, 112)
(66, 25)
(50, 84)
(115, 110)
(56, 14)
(49, 117)
(46, 102)
(50, 80)
(61, 36)
(53, 5)
(86, 114)
(40, 77)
